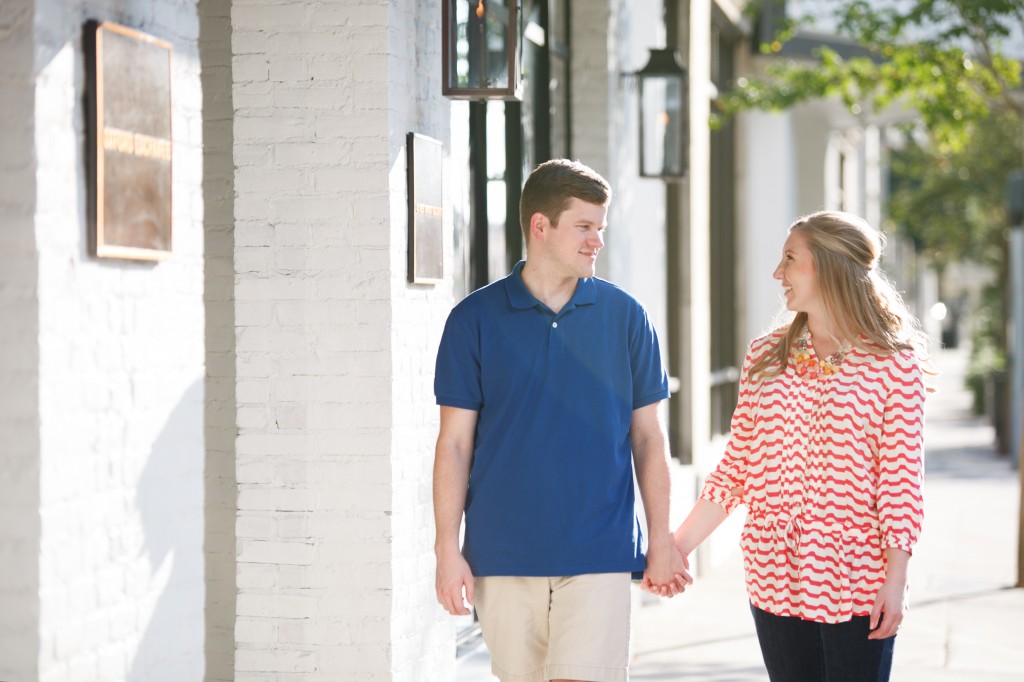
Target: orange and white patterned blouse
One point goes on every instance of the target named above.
(831, 470)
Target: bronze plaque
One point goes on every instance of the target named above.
(130, 139)
(426, 214)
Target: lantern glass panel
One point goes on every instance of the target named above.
(478, 56)
(662, 126)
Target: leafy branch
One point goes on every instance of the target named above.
(940, 58)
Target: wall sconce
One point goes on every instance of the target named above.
(664, 116)
(482, 49)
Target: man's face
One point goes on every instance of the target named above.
(573, 244)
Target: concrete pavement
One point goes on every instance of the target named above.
(966, 621)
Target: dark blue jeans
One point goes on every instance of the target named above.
(796, 650)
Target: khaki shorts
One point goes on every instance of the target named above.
(572, 628)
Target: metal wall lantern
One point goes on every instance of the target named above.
(664, 116)
(482, 49)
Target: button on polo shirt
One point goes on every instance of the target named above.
(551, 485)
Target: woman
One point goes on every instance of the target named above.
(826, 452)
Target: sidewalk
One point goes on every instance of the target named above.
(965, 623)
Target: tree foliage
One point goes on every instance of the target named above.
(945, 59)
(951, 203)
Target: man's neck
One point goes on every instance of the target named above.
(552, 290)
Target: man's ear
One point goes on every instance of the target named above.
(538, 223)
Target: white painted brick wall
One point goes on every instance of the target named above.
(120, 387)
(219, 271)
(313, 528)
(335, 409)
(19, 366)
(422, 633)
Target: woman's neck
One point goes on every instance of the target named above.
(823, 339)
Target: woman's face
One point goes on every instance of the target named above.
(798, 277)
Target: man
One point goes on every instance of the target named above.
(549, 382)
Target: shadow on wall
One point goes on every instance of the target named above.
(169, 497)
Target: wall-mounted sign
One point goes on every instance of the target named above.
(129, 76)
(426, 214)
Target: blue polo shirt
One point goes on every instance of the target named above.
(551, 483)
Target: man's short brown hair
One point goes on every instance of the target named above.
(554, 184)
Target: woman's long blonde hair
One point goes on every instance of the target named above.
(863, 306)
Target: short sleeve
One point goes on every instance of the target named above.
(457, 370)
(650, 380)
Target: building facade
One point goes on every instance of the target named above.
(218, 466)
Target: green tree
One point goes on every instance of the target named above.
(951, 203)
(944, 59)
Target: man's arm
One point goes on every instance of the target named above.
(452, 458)
(650, 455)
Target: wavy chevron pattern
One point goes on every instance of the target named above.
(831, 472)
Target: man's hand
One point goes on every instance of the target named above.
(667, 571)
(451, 577)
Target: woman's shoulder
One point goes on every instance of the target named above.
(761, 348)
(902, 358)
(765, 342)
(902, 370)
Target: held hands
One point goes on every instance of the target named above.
(667, 571)
(451, 577)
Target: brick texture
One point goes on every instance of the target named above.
(421, 633)
(335, 413)
(120, 376)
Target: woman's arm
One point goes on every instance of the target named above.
(891, 601)
(899, 499)
(700, 522)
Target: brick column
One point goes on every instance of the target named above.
(334, 350)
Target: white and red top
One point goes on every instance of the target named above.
(831, 472)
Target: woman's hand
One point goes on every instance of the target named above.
(891, 600)
(887, 614)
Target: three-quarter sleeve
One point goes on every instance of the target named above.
(731, 471)
(899, 499)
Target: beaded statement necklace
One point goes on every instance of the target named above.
(813, 369)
